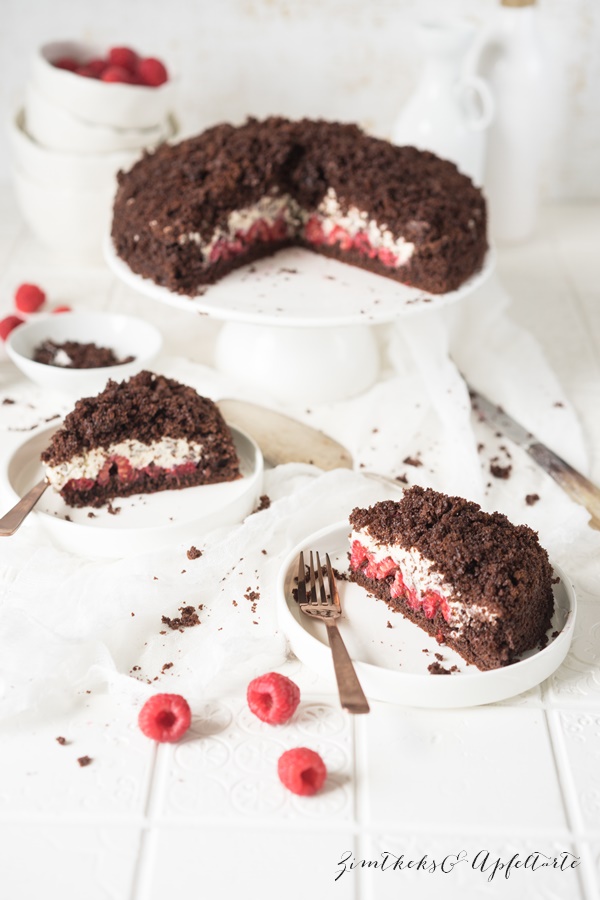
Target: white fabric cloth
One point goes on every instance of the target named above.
(70, 624)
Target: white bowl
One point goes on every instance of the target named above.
(118, 105)
(55, 128)
(58, 168)
(125, 335)
(72, 222)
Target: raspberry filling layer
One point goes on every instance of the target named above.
(313, 232)
(119, 469)
(419, 598)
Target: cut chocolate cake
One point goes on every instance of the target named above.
(471, 579)
(140, 436)
(187, 214)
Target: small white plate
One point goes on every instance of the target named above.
(145, 522)
(297, 287)
(124, 335)
(390, 662)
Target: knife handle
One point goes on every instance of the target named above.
(577, 486)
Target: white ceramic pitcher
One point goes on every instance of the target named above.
(451, 107)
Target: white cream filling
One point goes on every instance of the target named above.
(356, 221)
(165, 453)
(418, 574)
(272, 207)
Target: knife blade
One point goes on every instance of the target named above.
(577, 486)
(283, 439)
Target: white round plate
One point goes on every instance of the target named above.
(391, 663)
(145, 522)
(297, 287)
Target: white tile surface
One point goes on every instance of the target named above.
(478, 765)
(209, 818)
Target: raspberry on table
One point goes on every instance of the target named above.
(8, 324)
(273, 698)
(29, 298)
(302, 771)
(152, 72)
(165, 717)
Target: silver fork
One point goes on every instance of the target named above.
(318, 605)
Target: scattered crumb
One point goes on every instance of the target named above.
(437, 669)
(113, 510)
(8, 401)
(388, 624)
(91, 515)
(84, 761)
(530, 499)
(559, 404)
(62, 741)
(500, 471)
(155, 578)
(264, 552)
(166, 666)
(194, 553)
(412, 461)
(264, 502)
(52, 418)
(189, 618)
(68, 518)
(133, 614)
(402, 478)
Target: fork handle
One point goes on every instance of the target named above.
(351, 694)
(15, 516)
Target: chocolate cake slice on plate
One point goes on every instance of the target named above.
(140, 436)
(471, 579)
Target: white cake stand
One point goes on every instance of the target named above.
(298, 325)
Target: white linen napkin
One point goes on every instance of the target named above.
(70, 624)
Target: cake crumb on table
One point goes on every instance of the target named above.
(194, 553)
(84, 761)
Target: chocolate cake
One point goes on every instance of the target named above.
(189, 213)
(471, 579)
(140, 436)
(76, 355)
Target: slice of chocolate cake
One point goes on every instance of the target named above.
(140, 436)
(471, 579)
(189, 213)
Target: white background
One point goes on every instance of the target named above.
(341, 59)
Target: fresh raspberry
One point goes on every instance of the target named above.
(66, 62)
(313, 231)
(358, 554)
(152, 72)
(62, 309)
(273, 698)
(80, 484)
(92, 69)
(8, 324)
(278, 231)
(431, 602)
(362, 243)
(381, 569)
(339, 235)
(302, 771)
(125, 471)
(398, 588)
(387, 257)
(29, 298)
(258, 231)
(117, 74)
(124, 57)
(165, 717)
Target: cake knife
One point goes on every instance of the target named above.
(577, 486)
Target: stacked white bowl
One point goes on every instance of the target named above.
(71, 137)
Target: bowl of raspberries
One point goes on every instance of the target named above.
(117, 87)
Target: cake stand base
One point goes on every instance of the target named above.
(299, 364)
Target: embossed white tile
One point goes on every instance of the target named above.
(457, 768)
(581, 737)
(236, 862)
(41, 777)
(577, 681)
(70, 862)
(226, 766)
(459, 866)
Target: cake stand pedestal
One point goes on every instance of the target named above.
(298, 325)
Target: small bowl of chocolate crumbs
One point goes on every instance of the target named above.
(76, 353)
